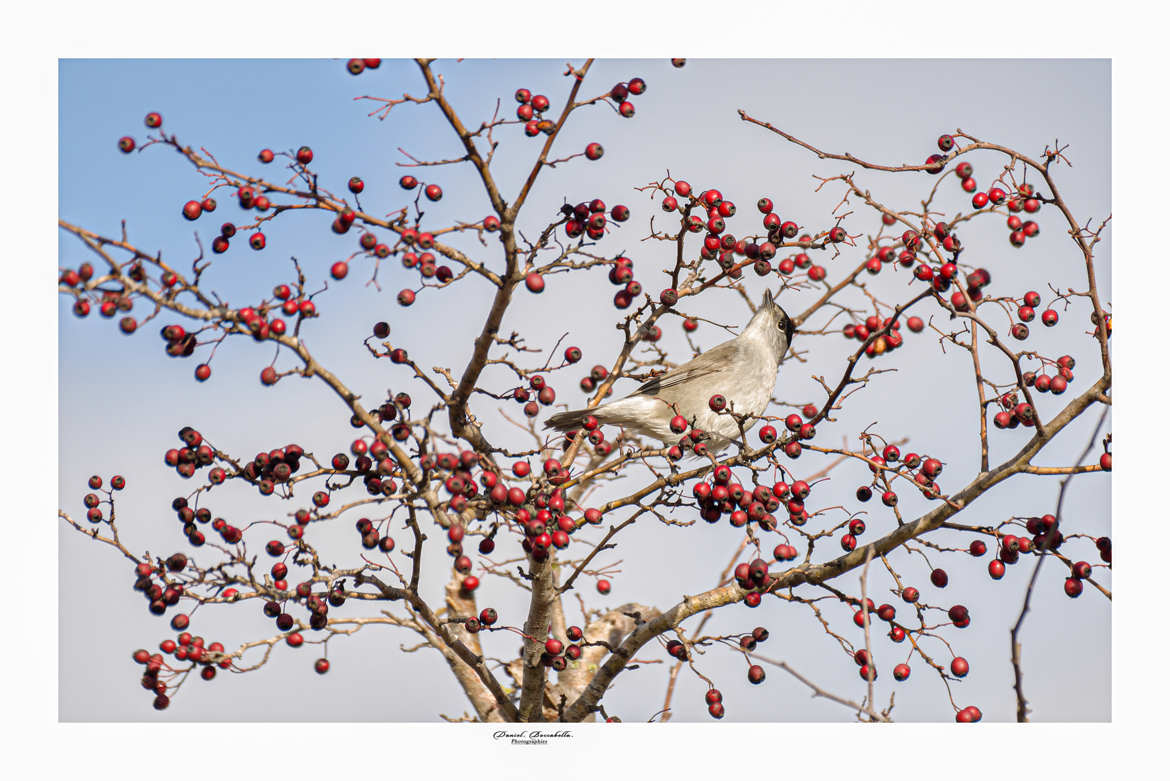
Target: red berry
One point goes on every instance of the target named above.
(969, 714)
(594, 151)
(304, 155)
(433, 192)
(534, 282)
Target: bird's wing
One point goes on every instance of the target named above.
(711, 362)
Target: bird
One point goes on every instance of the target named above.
(743, 370)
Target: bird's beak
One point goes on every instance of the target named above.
(767, 298)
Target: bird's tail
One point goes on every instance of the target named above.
(567, 421)
(630, 411)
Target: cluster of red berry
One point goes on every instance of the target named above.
(267, 469)
(589, 218)
(93, 502)
(180, 344)
(291, 306)
(548, 526)
(724, 247)
(425, 263)
(195, 453)
(153, 121)
(537, 386)
(714, 700)
(540, 515)
(434, 193)
(162, 593)
(185, 647)
(1045, 536)
(487, 617)
(558, 654)
(192, 210)
(110, 302)
(872, 325)
(372, 460)
(753, 577)
(725, 496)
(755, 673)
(1027, 312)
(188, 516)
(596, 376)
(1014, 412)
(928, 469)
(533, 107)
(372, 537)
(359, 64)
(317, 604)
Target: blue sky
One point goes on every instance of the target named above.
(122, 399)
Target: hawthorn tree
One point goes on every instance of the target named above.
(457, 457)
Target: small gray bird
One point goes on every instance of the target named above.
(742, 370)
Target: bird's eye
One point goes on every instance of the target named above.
(781, 324)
